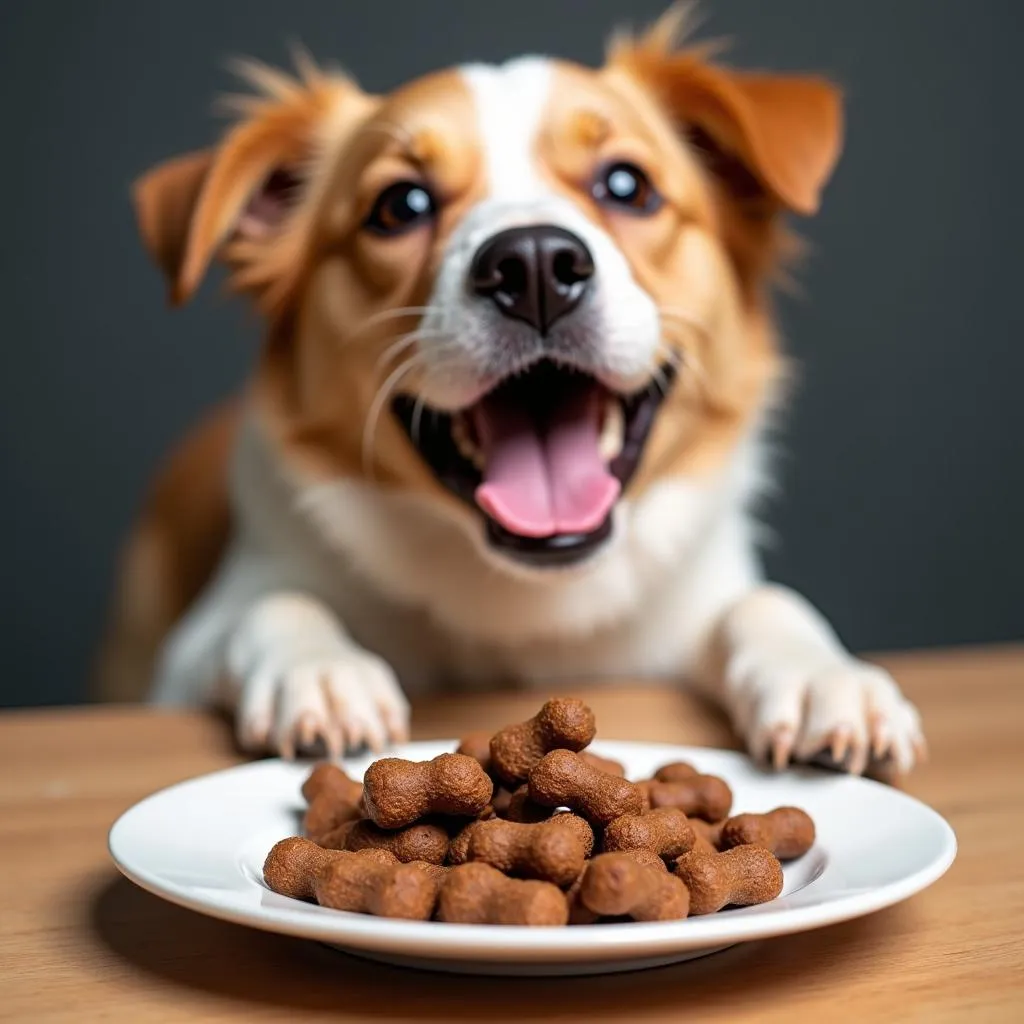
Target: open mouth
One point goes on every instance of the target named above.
(544, 456)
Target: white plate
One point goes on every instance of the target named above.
(202, 843)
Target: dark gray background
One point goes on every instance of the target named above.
(903, 498)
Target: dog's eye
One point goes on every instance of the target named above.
(625, 185)
(400, 207)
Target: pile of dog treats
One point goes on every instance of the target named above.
(526, 827)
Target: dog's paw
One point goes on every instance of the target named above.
(849, 715)
(345, 701)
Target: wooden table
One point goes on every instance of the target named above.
(79, 942)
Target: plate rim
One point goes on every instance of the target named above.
(510, 944)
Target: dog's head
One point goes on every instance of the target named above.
(526, 291)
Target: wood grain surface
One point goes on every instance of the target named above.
(79, 942)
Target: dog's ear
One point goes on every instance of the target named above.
(245, 189)
(777, 135)
(165, 199)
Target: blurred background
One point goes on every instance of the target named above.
(902, 501)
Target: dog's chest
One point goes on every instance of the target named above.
(412, 584)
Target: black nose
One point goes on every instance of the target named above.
(537, 273)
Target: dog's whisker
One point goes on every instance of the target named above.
(417, 416)
(384, 315)
(384, 392)
(685, 319)
(404, 342)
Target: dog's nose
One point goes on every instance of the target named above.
(537, 273)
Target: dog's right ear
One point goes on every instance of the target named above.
(250, 187)
(165, 200)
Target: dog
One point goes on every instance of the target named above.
(510, 416)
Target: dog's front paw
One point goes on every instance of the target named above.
(343, 701)
(849, 715)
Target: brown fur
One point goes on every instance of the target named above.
(183, 526)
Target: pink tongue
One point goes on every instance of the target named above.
(543, 480)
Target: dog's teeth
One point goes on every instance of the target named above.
(613, 431)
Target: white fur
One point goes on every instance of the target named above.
(465, 340)
(510, 101)
(332, 590)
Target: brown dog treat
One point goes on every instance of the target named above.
(476, 893)
(522, 808)
(648, 858)
(578, 913)
(617, 884)
(327, 777)
(540, 814)
(578, 825)
(701, 796)
(324, 815)
(787, 831)
(500, 801)
(547, 850)
(293, 864)
(604, 764)
(397, 792)
(743, 876)
(675, 771)
(562, 779)
(707, 835)
(362, 886)
(561, 724)
(427, 841)
(477, 745)
(458, 848)
(666, 832)
(333, 799)
(435, 871)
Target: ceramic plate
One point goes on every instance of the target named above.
(201, 844)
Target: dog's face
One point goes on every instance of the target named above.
(528, 291)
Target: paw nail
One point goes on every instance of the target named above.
(841, 745)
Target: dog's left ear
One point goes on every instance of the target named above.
(780, 133)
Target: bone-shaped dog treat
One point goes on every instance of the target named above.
(578, 825)
(476, 893)
(426, 841)
(561, 724)
(363, 886)
(333, 800)
(701, 796)
(478, 746)
(552, 851)
(500, 801)
(327, 777)
(323, 816)
(458, 848)
(522, 808)
(397, 792)
(578, 913)
(604, 764)
(743, 876)
(292, 865)
(787, 831)
(675, 771)
(562, 779)
(617, 884)
(666, 832)
(707, 835)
